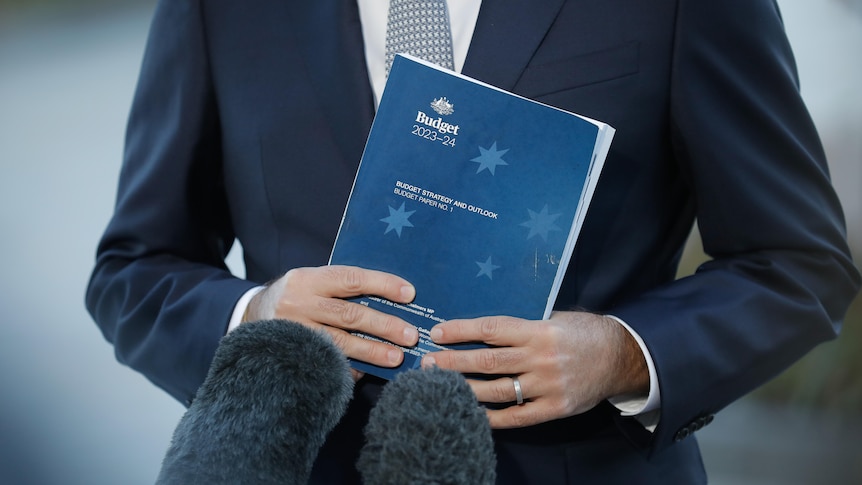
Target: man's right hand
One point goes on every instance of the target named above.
(315, 297)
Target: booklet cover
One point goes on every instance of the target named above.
(473, 194)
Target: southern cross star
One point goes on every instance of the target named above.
(398, 219)
(486, 268)
(489, 158)
(541, 223)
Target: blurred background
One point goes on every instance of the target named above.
(70, 414)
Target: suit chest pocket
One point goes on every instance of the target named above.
(580, 70)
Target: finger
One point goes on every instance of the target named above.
(365, 350)
(540, 406)
(503, 331)
(501, 390)
(359, 318)
(529, 414)
(348, 281)
(503, 360)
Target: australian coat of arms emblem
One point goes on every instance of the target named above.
(442, 106)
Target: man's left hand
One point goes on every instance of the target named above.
(565, 365)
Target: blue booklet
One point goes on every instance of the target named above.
(473, 194)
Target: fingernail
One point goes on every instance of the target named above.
(428, 362)
(408, 292)
(411, 335)
(394, 356)
(436, 334)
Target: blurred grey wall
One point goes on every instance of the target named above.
(69, 413)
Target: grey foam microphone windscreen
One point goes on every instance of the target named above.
(428, 428)
(274, 391)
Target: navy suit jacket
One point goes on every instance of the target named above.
(250, 118)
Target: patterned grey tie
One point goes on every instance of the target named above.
(419, 28)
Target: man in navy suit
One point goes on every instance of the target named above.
(248, 124)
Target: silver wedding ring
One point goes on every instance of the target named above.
(519, 396)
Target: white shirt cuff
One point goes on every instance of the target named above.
(645, 407)
(241, 305)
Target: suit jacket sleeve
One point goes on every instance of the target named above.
(160, 290)
(781, 277)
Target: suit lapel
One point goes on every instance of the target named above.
(333, 49)
(506, 36)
